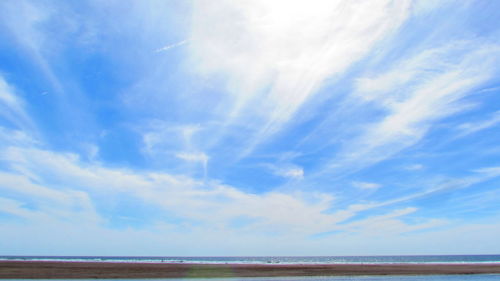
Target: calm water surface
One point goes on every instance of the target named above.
(281, 260)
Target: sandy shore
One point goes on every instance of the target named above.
(61, 270)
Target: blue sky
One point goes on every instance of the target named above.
(249, 127)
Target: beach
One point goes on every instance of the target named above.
(105, 270)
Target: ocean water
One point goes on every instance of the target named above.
(433, 259)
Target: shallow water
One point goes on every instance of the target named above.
(447, 259)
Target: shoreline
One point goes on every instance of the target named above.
(108, 270)
(172, 262)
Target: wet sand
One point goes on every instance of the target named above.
(87, 270)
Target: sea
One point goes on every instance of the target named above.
(432, 259)
(417, 259)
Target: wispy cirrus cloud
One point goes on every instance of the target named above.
(13, 108)
(275, 55)
(193, 157)
(414, 167)
(477, 176)
(366, 185)
(62, 186)
(469, 128)
(170, 46)
(60, 183)
(288, 171)
(414, 97)
(160, 137)
(390, 223)
(23, 20)
(190, 199)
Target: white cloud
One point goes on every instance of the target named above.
(281, 52)
(62, 187)
(24, 19)
(15, 208)
(210, 203)
(178, 144)
(15, 137)
(488, 172)
(70, 183)
(366, 185)
(448, 184)
(92, 151)
(296, 173)
(414, 96)
(159, 137)
(473, 127)
(414, 167)
(390, 224)
(12, 107)
(47, 203)
(9, 99)
(422, 7)
(168, 47)
(85, 239)
(287, 171)
(193, 157)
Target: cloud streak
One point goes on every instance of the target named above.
(474, 127)
(366, 185)
(13, 108)
(414, 97)
(275, 55)
(47, 177)
(171, 46)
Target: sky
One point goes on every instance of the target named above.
(220, 127)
